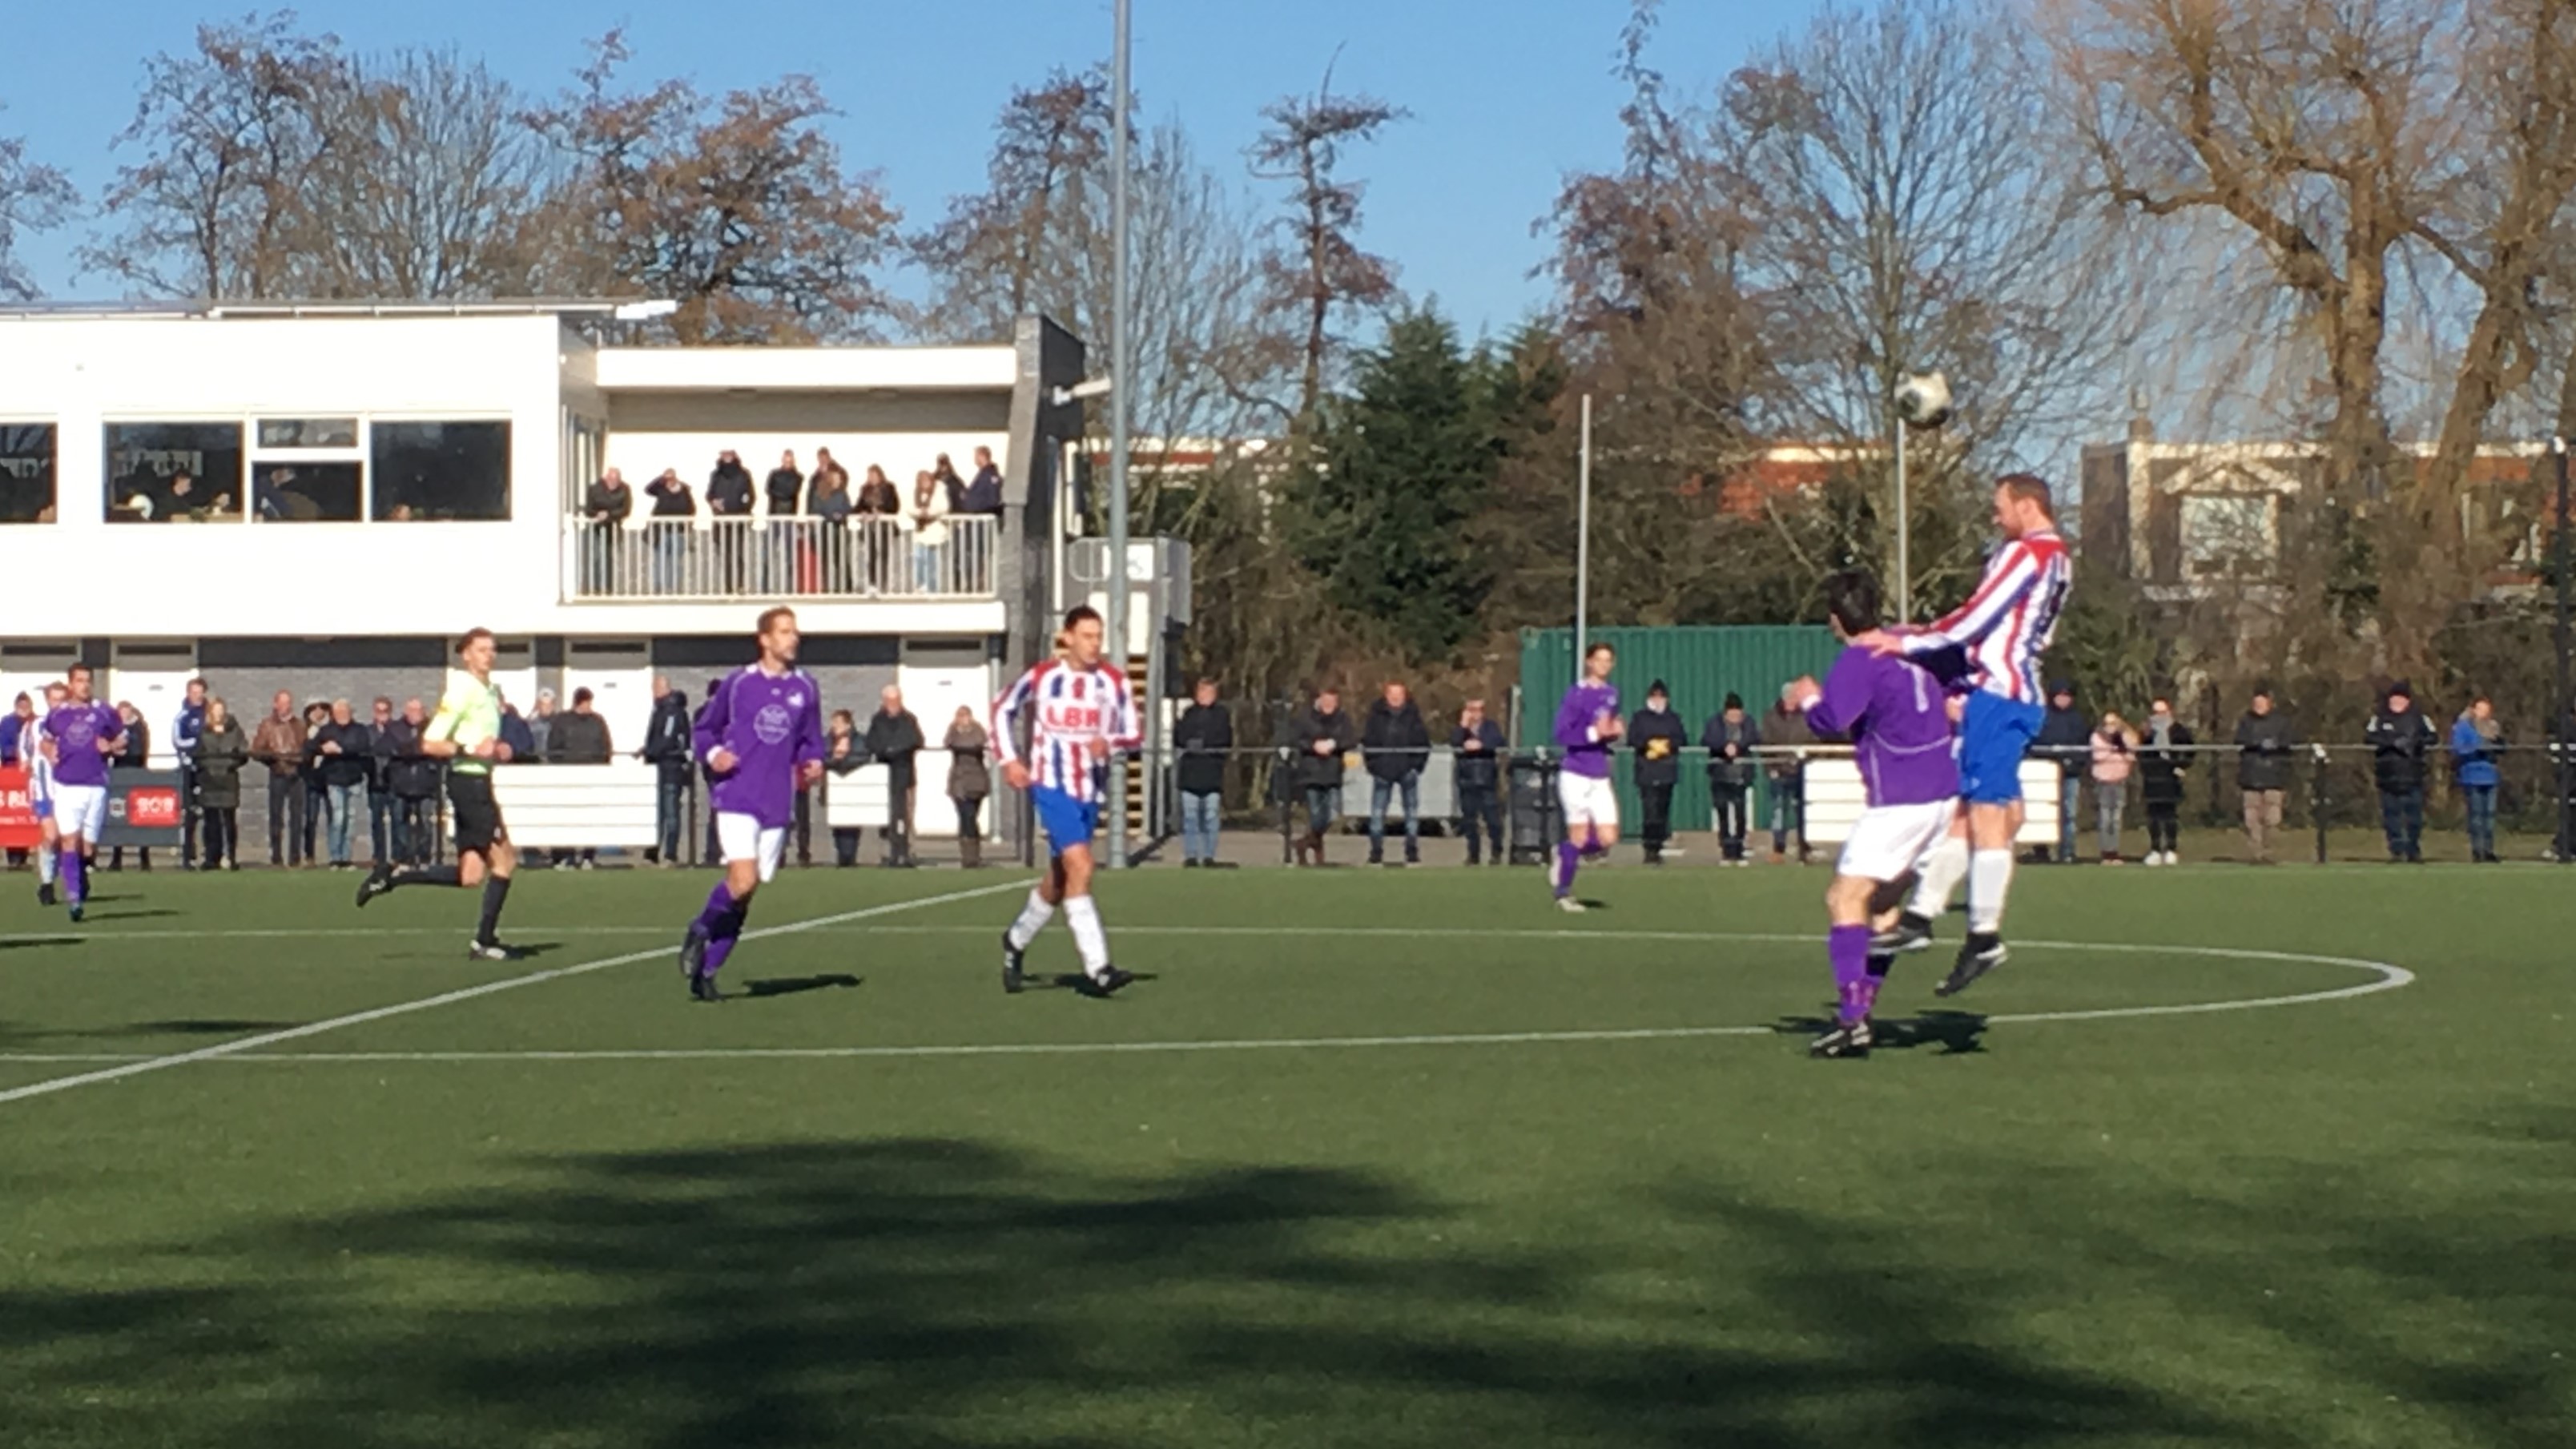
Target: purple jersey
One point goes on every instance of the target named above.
(76, 730)
(1898, 719)
(1578, 728)
(773, 724)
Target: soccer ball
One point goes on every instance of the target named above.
(1923, 400)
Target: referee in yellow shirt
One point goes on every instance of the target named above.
(466, 732)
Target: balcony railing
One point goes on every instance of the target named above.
(717, 559)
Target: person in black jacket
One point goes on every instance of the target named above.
(2400, 741)
(606, 507)
(1657, 735)
(729, 498)
(380, 786)
(894, 737)
(1478, 772)
(785, 488)
(2164, 753)
(667, 747)
(1397, 745)
(136, 755)
(345, 752)
(1730, 740)
(2066, 738)
(1203, 734)
(673, 506)
(1319, 739)
(412, 776)
(2263, 745)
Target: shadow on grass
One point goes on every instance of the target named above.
(940, 1292)
(1954, 1032)
(795, 985)
(29, 943)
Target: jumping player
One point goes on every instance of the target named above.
(466, 732)
(2004, 628)
(1080, 714)
(1587, 727)
(81, 736)
(761, 739)
(1898, 719)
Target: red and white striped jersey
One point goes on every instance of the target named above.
(1076, 718)
(2008, 622)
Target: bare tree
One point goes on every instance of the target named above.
(1323, 270)
(33, 197)
(989, 256)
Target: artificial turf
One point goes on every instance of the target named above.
(2335, 1223)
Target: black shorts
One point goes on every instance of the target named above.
(476, 814)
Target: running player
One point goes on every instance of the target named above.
(761, 739)
(2003, 628)
(466, 732)
(40, 796)
(81, 736)
(1080, 714)
(1587, 727)
(1898, 719)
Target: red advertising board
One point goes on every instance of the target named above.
(17, 811)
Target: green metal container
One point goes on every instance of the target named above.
(1700, 666)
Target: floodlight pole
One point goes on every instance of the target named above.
(1904, 533)
(1121, 367)
(2561, 704)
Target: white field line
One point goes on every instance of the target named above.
(2384, 977)
(240, 1045)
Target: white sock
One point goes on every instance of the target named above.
(1989, 880)
(1033, 919)
(47, 862)
(1088, 937)
(1937, 876)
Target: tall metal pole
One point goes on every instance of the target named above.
(2560, 701)
(1121, 369)
(1583, 537)
(1904, 535)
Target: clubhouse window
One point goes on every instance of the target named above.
(26, 472)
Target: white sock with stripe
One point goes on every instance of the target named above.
(1088, 937)
(1989, 880)
(48, 860)
(1033, 919)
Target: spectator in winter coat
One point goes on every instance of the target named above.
(729, 498)
(2263, 745)
(2399, 742)
(606, 507)
(894, 737)
(1203, 734)
(2115, 754)
(380, 782)
(2163, 756)
(1785, 738)
(1396, 746)
(1730, 740)
(1478, 774)
(541, 727)
(185, 731)
(844, 753)
(785, 488)
(580, 737)
(2066, 738)
(279, 744)
(516, 737)
(345, 753)
(673, 506)
(970, 781)
(1658, 736)
(317, 786)
(983, 493)
(136, 755)
(2475, 740)
(412, 776)
(1320, 737)
(222, 750)
(667, 748)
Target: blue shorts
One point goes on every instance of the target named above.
(1068, 822)
(1994, 734)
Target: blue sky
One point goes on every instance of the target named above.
(1507, 95)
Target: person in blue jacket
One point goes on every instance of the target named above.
(2475, 740)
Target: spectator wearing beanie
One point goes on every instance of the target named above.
(2399, 741)
(1657, 735)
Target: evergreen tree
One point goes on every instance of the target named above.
(1402, 465)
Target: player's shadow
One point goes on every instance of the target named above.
(191, 1026)
(795, 985)
(142, 915)
(1955, 1033)
(29, 943)
(1080, 985)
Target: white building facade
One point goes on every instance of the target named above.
(362, 484)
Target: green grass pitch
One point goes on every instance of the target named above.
(1268, 1197)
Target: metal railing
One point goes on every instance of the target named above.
(685, 559)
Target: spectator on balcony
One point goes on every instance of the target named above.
(1321, 736)
(894, 737)
(2065, 740)
(412, 777)
(1786, 736)
(606, 508)
(878, 497)
(983, 494)
(832, 505)
(222, 750)
(2476, 739)
(2263, 745)
(1203, 734)
(279, 744)
(880, 509)
(970, 781)
(136, 755)
(1478, 772)
(1396, 745)
(928, 520)
(580, 737)
(1658, 736)
(343, 753)
(2164, 754)
(1730, 739)
(843, 755)
(673, 505)
(667, 748)
(781, 562)
(729, 499)
(380, 780)
(2399, 742)
(825, 467)
(2115, 754)
(317, 786)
